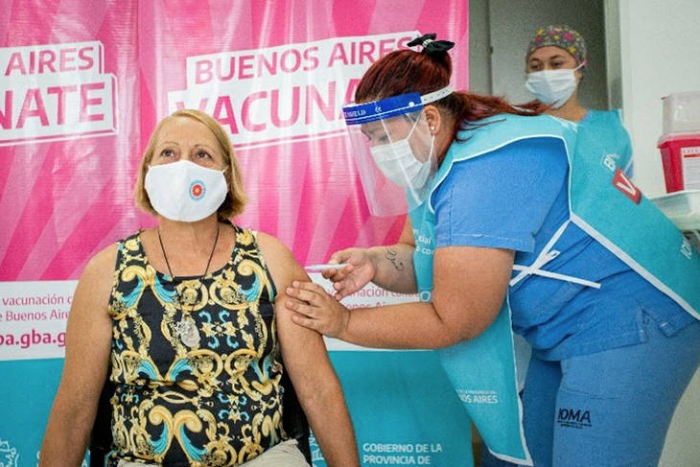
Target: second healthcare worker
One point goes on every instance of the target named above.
(556, 64)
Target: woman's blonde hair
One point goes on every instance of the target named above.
(235, 200)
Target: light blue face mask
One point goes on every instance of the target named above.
(395, 164)
(553, 87)
(398, 162)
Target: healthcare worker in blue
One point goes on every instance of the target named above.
(556, 62)
(506, 225)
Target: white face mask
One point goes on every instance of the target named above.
(552, 86)
(398, 163)
(184, 191)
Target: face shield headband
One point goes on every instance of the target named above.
(394, 150)
(357, 114)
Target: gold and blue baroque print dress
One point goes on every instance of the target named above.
(195, 361)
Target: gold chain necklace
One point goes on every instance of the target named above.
(186, 329)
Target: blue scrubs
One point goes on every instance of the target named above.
(576, 331)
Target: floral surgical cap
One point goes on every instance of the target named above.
(563, 37)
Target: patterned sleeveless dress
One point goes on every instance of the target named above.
(195, 361)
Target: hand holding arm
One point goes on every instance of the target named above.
(470, 284)
(316, 309)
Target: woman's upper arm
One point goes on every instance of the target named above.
(89, 328)
(88, 343)
(304, 353)
(303, 350)
(469, 287)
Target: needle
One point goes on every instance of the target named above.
(322, 267)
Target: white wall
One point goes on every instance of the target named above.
(660, 55)
(479, 47)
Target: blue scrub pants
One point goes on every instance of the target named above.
(610, 408)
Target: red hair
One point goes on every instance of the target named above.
(405, 70)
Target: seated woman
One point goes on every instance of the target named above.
(190, 318)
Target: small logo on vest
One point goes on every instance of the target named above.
(626, 187)
(574, 418)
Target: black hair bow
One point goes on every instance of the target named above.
(430, 45)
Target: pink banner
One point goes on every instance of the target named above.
(82, 86)
(69, 133)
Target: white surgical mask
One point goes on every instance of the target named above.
(552, 86)
(184, 191)
(398, 163)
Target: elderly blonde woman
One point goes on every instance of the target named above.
(188, 319)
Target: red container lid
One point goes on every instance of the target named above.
(692, 138)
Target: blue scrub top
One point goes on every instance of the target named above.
(516, 197)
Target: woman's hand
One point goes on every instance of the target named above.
(315, 309)
(359, 271)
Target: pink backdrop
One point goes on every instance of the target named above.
(67, 195)
(82, 85)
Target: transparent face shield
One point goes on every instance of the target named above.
(394, 150)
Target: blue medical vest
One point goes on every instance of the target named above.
(601, 134)
(606, 205)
